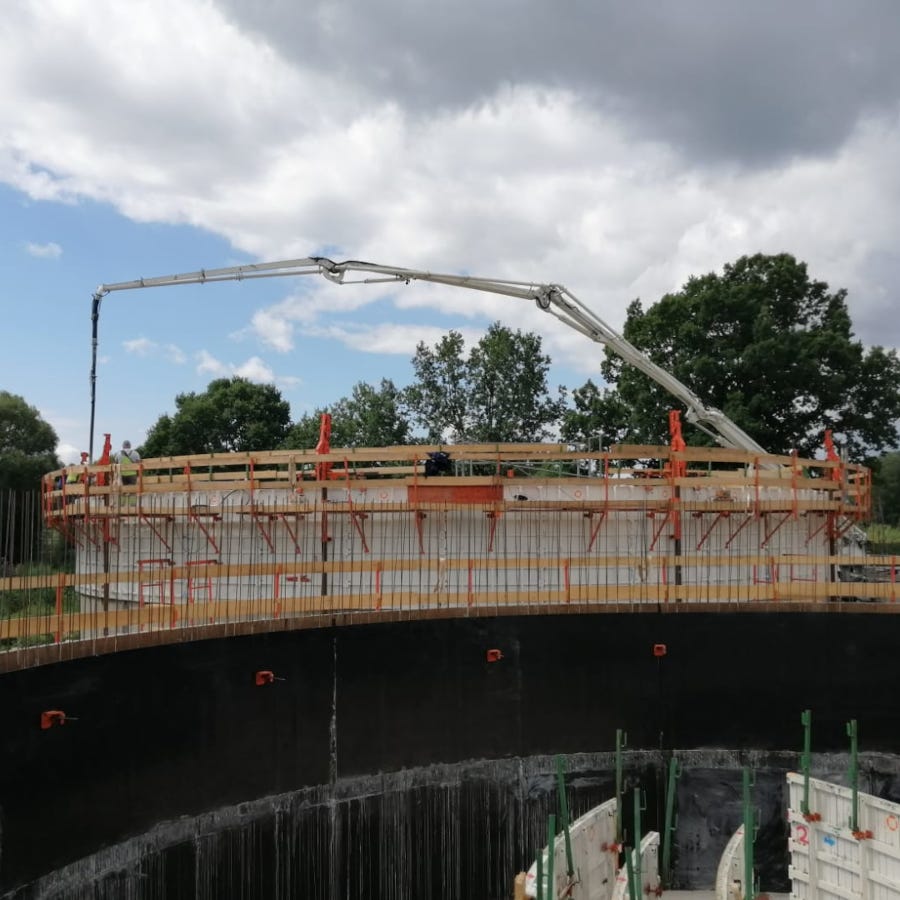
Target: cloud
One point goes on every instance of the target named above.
(253, 369)
(618, 149)
(147, 348)
(66, 427)
(44, 251)
(277, 326)
(175, 354)
(207, 364)
(749, 83)
(274, 327)
(140, 346)
(389, 338)
(68, 453)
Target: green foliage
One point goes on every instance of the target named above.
(369, 417)
(762, 341)
(886, 485)
(35, 601)
(27, 445)
(27, 452)
(304, 433)
(770, 347)
(439, 401)
(379, 416)
(497, 392)
(598, 420)
(232, 414)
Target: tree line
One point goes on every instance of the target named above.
(770, 346)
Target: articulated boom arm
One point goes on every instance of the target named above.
(552, 298)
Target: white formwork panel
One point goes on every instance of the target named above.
(649, 869)
(594, 856)
(730, 874)
(829, 861)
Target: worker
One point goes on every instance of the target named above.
(73, 475)
(127, 460)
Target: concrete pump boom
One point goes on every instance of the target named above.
(552, 298)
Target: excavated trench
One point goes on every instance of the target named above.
(395, 760)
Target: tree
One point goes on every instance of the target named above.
(770, 347)
(497, 392)
(376, 417)
(27, 452)
(439, 401)
(370, 417)
(599, 418)
(886, 506)
(27, 444)
(232, 414)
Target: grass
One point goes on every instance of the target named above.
(36, 601)
(887, 534)
(883, 538)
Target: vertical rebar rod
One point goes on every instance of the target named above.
(806, 758)
(539, 886)
(638, 886)
(621, 740)
(669, 829)
(629, 872)
(749, 828)
(564, 815)
(853, 774)
(551, 854)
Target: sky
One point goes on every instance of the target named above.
(616, 148)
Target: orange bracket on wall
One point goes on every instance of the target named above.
(51, 717)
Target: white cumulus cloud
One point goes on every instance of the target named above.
(140, 346)
(146, 347)
(545, 155)
(389, 338)
(50, 250)
(253, 369)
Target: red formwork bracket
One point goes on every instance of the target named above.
(660, 650)
(264, 676)
(494, 655)
(51, 717)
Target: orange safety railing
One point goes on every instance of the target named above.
(714, 526)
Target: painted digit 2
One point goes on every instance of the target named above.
(802, 835)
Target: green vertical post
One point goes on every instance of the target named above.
(564, 815)
(669, 830)
(621, 739)
(806, 758)
(638, 886)
(853, 775)
(749, 829)
(540, 877)
(551, 855)
(629, 872)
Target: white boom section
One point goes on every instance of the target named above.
(552, 298)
